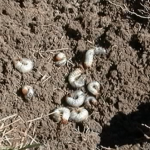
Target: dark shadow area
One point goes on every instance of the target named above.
(79, 57)
(32, 27)
(80, 19)
(21, 3)
(113, 67)
(80, 127)
(135, 10)
(63, 101)
(4, 12)
(127, 129)
(103, 2)
(72, 33)
(57, 18)
(135, 44)
(140, 8)
(102, 40)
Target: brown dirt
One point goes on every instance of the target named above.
(32, 28)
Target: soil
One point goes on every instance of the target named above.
(34, 28)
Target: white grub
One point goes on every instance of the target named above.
(89, 58)
(77, 99)
(93, 87)
(60, 59)
(100, 50)
(23, 65)
(79, 115)
(90, 100)
(28, 92)
(76, 78)
(62, 115)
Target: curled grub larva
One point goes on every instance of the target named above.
(76, 78)
(79, 115)
(23, 65)
(60, 59)
(90, 100)
(62, 115)
(93, 87)
(89, 58)
(28, 92)
(100, 50)
(77, 99)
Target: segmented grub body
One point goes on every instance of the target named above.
(90, 100)
(77, 99)
(60, 59)
(23, 65)
(76, 78)
(93, 87)
(89, 55)
(62, 115)
(79, 115)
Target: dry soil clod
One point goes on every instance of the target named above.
(94, 87)
(23, 65)
(77, 99)
(28, 92)
(79, 115)
(76, 78)
(62, 115)
(60, 59)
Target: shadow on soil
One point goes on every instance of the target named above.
(138, 11)
(127, 129)
(139, 7)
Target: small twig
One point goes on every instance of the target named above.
(25, 134)
(61, 49)
(127, 10)
(33, 140)
(69, 61)
(145, 126)
(43, 77)
(90, 42)
(146, 136)
(106, 148)
(5, 133)
(133, 13)
(38, 118)
(11, 123)
(34, 130)
(6, 118)
(7, 139)
(46, 79)
(29, 137)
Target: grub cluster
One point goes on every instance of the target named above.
(76, 79)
